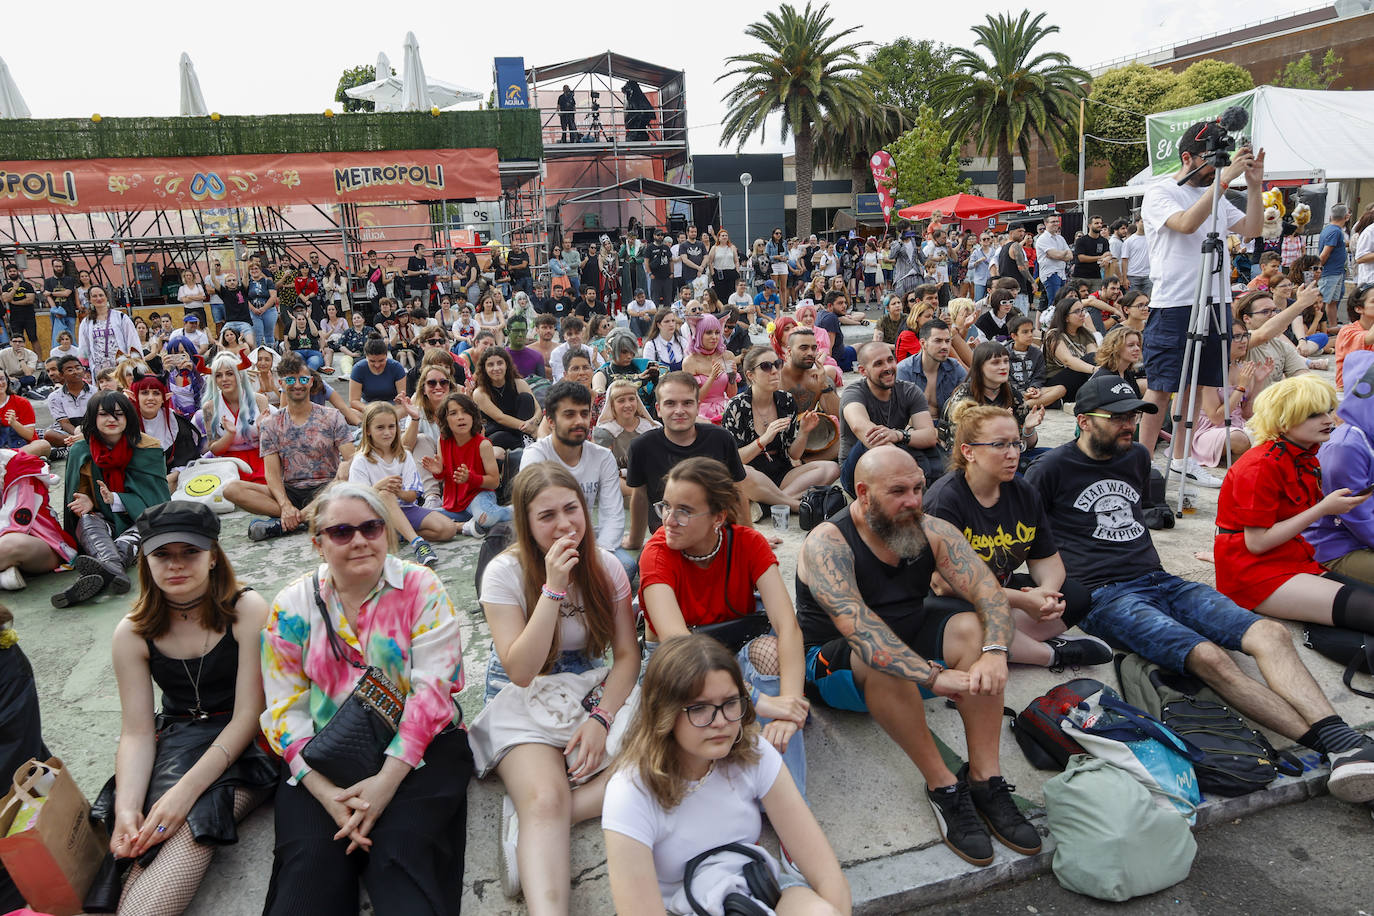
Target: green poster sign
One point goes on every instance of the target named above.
(1164, 130)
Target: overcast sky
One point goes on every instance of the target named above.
(257, 58)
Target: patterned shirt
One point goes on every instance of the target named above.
(407, 627)
(62, 405)
(309, 452)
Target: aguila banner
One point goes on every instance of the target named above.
(80, 185)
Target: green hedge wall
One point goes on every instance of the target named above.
(514, 133)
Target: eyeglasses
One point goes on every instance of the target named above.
(1244, 336)
(1121, 419)
(767, 366)
(292, 380)
(1003, 445)
(1077, 311)
(342, 534)
(703, 715)
(1264, 313)
(679, 517)
(438, 383)
(435, 341)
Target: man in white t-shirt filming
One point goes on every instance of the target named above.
(1177, 219)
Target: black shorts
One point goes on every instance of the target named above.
(300, 497)
(1165, 342)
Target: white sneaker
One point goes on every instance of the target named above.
(510, 834)
(470, 528)
(1195, 473)
(11, 580)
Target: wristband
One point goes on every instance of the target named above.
(997, 647)
(935, 669)
(604, 714)
(1240, 388)
(550, 593)
(227, 759)
(596, 716)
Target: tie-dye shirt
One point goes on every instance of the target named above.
(410, 630)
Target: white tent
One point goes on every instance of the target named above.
(385, 91)
(192, 100)
(12, 104)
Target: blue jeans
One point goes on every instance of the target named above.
(574, 661)
(217, 312)
(62, 323)
(1163, 618)
(630, 563)
(238, 327)
(1053, 283)
(484, 503)
(979, 289)
(1331, 286)
(265, 327)
(845, 357)
(313, 358)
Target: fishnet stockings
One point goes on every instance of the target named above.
(763, 655)
(167, 886)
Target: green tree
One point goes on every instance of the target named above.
(1000, 101)
(1116, 111)
(927, 167)
(360, 75)
(1303, 74)
(1205, 81)
(849, 142)
(805, 72)
(906, 69)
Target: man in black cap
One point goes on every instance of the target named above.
(1091, 488)
(1011, 262)
(567, 115)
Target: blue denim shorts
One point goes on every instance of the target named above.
(1332, 287)
(1165, 341)
(1163, 618)
(575, 662)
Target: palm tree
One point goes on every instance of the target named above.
(848, 142)
(1002, 101)
(805, 73)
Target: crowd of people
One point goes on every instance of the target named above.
(624, 458)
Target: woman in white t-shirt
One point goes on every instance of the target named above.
(555, 602)
(192, 293)
(694, 774)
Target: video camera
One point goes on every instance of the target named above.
(1219, 139)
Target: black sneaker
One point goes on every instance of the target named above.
(992, 800)
(959, 825)
(1352, 774)
(262, 529)
(1079, 652)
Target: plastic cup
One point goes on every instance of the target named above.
(780, 518)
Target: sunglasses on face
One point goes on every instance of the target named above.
(437, 383)
(435, 341)
(342, 534)
(293, 380)
(767, 366)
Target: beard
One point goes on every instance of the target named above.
(1108, 445)
(902, 533)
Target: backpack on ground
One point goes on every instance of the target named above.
(1112, 841)
(1236, 758)
(1351, 648)
(819, 504)
(1037, 728)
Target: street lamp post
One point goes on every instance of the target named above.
(746, 179)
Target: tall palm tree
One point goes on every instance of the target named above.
(1000, 100)
(804, 72)
(848, 142)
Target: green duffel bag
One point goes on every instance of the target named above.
(1112, 841)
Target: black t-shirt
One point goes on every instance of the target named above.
(1005, 535)
(235, 304)
(52, 283)
(653, 455)
(1095, 509)
(739, 340)
(1007, 266)
(518, 264)
(660, 261)
(25, 297)
(1093, 248)
(692, 251)
(906, 399)
(418, 282)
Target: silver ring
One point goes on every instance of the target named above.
(161, 828)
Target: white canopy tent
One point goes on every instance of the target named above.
(192, 99)
(386, 92)
(12, 103)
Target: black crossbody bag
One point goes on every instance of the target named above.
(351, 747)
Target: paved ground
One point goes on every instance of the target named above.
(890, 849)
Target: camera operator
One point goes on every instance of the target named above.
(1177, 218)
(567, 113)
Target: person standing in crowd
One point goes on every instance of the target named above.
(777, 251)
(1363, 255)
(555, 602)
(723, 261)
(1334, 254)
(658, 263)
(184, 777)
(1012, 262)
(114, 471)
(567, 114)
(691, 256)
(1052, 257)
(237, 308)
(1091, 252)
(1116, 238)
(262, 303)
(366, 607)
(106, 335)
(1134, 267)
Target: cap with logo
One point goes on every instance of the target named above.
(1112, 394)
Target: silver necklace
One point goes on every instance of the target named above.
(720, 539)
(198, 713)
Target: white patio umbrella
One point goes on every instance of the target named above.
(414, 86)
(11, 102)
(192, 100)
(385, 91)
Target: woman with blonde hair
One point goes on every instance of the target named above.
(228, 416)
(1269, 497)
(695, 772)
(623, 419)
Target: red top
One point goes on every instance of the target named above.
(23, 412)
(699, 592)
(1269, 483)
(907, 344)
(307, 286)
(457, 496)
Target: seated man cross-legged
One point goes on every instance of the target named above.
(871, 645)
(1092, 489)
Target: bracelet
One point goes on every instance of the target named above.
(603, 713)
(1240, 388)
(599, 718)
(550, 593)
(997, 647)
(935, 669)
(227, 759)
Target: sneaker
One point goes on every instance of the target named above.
(58, 454)
(1352, 774)
(11, 580)
(424, 553)
(994, 804)
(510, 834)
(261, 529)
(1078, 652)
(960, 828)
(325, 370)
(470, 528)
(1195, 473)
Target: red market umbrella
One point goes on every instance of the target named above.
(960, 206)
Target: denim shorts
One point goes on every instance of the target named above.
(1332, 287)
(1163, 618)
(574, 662)
(1165, 340)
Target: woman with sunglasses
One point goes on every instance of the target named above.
(772, 435)
(1070, 345)
(365, 606)
(701, 569)
(695, 773)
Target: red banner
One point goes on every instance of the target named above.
(81, 185)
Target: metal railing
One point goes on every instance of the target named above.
(608, 124)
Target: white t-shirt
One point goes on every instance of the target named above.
(212, 283)
(677, 265)
(931, 251)
(370, 470)
(599, 476)
(1365, 272)
(742, 300)
(827, 263)
(197, 337)
(1114, 246)
(724, 809)
(1046, 265)
(1174, 257)
(1136, 253)
(503, 582)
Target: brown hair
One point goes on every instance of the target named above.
(1113, 343)
(969, 419)
(1244, 304)
(152, 615)
(592, 584)
(714, 479)
(675, 675)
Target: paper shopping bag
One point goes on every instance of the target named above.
(54, 857)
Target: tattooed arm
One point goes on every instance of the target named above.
(826, 566)
(969, 577)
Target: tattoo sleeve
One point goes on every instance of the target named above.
(971, 579)
(827, 568)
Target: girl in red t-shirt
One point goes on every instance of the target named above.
(466, 468)
(1269, 497)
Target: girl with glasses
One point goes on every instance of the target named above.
(555, 603)
(1070, 345)
(772, 435)
(1246, 377)
(695, 773)
(394, 615)
(1267, 318)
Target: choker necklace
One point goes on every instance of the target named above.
(720, 539)
(183, 608)
(695, 784)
